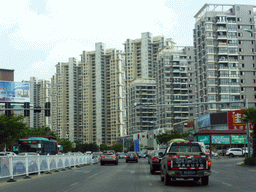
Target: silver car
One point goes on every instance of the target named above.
(109, 156)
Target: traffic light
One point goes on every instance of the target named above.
(47, 109)
(138, 136)
(37, 109)
(7, 109)
(26, 109)
(147, 136)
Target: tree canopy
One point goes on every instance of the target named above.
(11, 129)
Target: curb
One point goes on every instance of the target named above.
(240, 163)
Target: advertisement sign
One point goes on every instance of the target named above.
(219, 118)
(14, 91)
(220, 139)
(136, 146)
(204, 138)
(238, 139)
(235, 121)
(190, 123)
(203, 121)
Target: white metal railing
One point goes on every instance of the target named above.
(11, 166)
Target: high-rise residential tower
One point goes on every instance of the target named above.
(141, 59)
(224, 56)
(101, 95)
(175, 85)
(64, 100)
(39, 95)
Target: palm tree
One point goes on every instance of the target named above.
(250, 117)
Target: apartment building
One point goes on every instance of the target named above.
(175, 85)
(101, 95)
(6, 74)
(142, 105)
(64, 100)
(224, 56)
(141, 58)
(39, 95)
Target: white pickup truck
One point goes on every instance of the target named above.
(185, 160)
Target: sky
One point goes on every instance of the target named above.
(37, 34)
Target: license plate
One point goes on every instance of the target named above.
(189, 172)
(108, 157)
(131, 156)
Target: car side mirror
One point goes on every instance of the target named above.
(161, 154)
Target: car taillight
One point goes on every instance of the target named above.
(209, 163)
(169, 163)
(135, 156)
(102, 155)
(113, 155)
(155, 159)
(127, 156)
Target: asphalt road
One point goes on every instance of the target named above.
(226, 176)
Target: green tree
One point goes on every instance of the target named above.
(41, 131)
(11, 129)
(163, 138)
(250, 117)
(104, 147)
(131, 148)
(67, 145)
(117, 147)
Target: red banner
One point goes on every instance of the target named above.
(235, 121)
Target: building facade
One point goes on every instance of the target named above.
(39, 95)
(101, 95)
(175, 85)
(6, 74)
(64, 100)
(142, 105)
(224, 56)
(141, 59)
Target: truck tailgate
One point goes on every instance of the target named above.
(189, 162)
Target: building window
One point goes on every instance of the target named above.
(239, 19)
(254, 80)
(241, 50)
(254, 88)
(242, 81)
(241, 72)
(255, 97)
(250, 19)
(252, 57)
(253, 65)
(242, 89)
(240, 34)
(242, 64)
(241, 57)
(253, 73)
(251, 42)
(250, 12)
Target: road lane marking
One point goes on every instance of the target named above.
(74, 184)
(133, 171)
(227, 184)
(214, 171)
(95, 174)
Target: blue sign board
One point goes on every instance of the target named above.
(136, 146)
(14, 91)
(203, 121)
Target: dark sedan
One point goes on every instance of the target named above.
(155, 160)
(131, 156)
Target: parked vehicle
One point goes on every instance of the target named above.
(155, 160)
(236, 152)
(7, 153)
(150, 156)
(131, 156)
(109, 156)
(28, 153)
(141, 155)
(96, 155)
(122, 155)
(185, 160)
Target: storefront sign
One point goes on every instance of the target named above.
(235, 121)
(223, 139)
(204, 138)
(238, 139)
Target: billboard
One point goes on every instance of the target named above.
(14, 91)
(219, 118)
(238, 139)
(235, 121)
(203, 121)
(136, 145)
(220, 139)
(204, 138)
